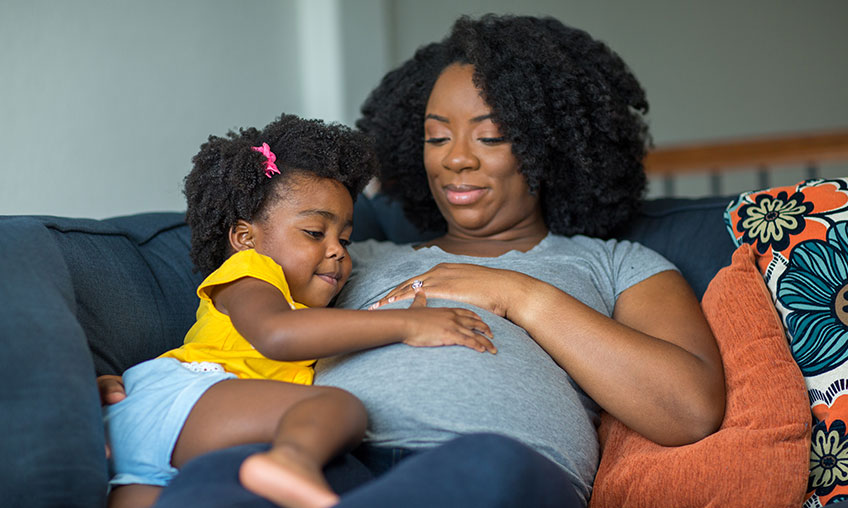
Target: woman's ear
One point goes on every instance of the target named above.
(243, 236)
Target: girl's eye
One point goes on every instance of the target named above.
(314, 234)
(344, 243)
(435, 141)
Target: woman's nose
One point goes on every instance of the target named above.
(460, 157)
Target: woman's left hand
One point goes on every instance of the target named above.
(491, 289)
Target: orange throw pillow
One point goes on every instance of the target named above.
(760, 455)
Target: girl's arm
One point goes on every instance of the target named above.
(655, 365)
(264, 318)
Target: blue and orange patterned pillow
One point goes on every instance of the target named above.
(800, 235)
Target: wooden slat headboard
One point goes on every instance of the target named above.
(761, 154)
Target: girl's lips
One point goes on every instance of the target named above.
(463, 195)
(329, 279)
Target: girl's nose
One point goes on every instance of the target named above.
(335, 250)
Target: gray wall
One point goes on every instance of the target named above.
(103, 102)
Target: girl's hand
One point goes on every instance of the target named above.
(111, 389)
(436, 326)
(492, 289)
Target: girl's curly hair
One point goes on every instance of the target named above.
(228, 181)
(571, 108)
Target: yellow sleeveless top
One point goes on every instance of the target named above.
(214, 339)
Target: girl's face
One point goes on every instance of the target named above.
(307, 234)
(471, 170)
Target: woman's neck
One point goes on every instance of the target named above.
(462, 243)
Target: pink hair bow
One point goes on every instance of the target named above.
(270, 158)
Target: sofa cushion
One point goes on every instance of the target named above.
(688, 232)
(758, 457)
(800, 234)
(127, 283)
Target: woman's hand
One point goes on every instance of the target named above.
(437, 326)
(111, 389)
(492, 289)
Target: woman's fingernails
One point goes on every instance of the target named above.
(391, 299)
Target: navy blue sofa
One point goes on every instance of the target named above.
(85, 297)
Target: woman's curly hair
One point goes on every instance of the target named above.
(228, 181)
(571, 108)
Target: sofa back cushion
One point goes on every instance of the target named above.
(688, 232)
(126, 282)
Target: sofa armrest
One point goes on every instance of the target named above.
(51, 411)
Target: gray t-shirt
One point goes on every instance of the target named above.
(420, 397)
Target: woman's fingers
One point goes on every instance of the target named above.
(401, 292)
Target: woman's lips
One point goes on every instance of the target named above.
(463, 194)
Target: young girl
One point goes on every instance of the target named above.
(271, 216)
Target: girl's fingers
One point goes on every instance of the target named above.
(477, 326)
(484, 342)
(420, 300)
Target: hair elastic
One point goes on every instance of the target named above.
(270, 167)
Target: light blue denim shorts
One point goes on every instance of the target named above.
(142, 429)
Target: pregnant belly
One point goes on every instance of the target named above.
(419, 397)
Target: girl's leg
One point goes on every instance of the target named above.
(307, 426)
(133, 496)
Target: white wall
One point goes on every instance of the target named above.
(711, 69)
(103, 102)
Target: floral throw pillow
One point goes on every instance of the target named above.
(800, 235)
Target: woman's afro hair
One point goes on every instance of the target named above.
(228, 183)
(571, 108)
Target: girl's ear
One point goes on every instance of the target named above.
(243, 236)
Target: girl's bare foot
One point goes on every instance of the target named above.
(287, 477)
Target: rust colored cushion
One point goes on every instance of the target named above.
(760, 455)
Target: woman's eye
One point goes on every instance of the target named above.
(314, 234)
(435, 141)
(344, 243)
(493, 141)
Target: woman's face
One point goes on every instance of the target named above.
(471, 170)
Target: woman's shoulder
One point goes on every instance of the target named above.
(582, 242)
(616, 250)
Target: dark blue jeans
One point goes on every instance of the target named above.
(479, 470)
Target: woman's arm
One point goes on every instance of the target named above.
(654, 366)
(264, 318)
